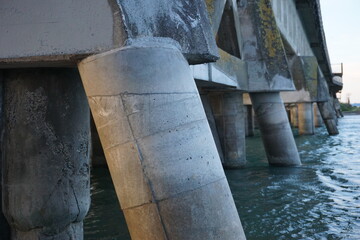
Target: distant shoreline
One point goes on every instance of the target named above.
(352, 113)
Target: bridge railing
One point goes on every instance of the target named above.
(337, 69)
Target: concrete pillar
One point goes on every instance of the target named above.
(318, 122)
(294, 118)
(328, 116)
(306, 118)
(158, 144)
(4, 226)
(249, 121)
(275, 129)
(211, 120)
(228, 112)
(97, 154)
(46, 154)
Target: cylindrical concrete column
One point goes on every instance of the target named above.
(4, 226)
(306, 118)
(294, 118)
(227, 108)
(158, 144)
(212, 124)
(249, 120)
(275, 129)
(318, 122)
(328, 116)
(46, 154)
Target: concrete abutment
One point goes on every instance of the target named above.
(158, 145)
(46, 191)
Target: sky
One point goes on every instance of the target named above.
(341, 20)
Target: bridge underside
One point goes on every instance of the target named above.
(171, 86)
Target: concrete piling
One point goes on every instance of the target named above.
(329, 117)
(306, 118)
(294, 118)
(275, 129)
(4, 226)
(227, 108)
(249, 121)
(210, 117)
(46, 191)
(158, 144)
(318, 122)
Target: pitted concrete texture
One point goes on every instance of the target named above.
(328, 115)
(158, 145)
(31, 29)
(275, 129)
(306, 118)
(46, 154)
(227, 108)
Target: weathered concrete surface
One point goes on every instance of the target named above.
(249, 120)
(91, 26)
(46, 191)
(227, 72)
(294, 118)
(291, 27)
(306, 118)
(275, 129)
(158, 145)
(328, 116)
(318, 122)
(262, 48)
(4, 227)
(227, 108)
(337, 107)
(210, 117)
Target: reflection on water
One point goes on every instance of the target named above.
(319, 200)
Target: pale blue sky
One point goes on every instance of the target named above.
(341, 19)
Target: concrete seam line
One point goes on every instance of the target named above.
(175, 195)
(146, 178)
(153, 134)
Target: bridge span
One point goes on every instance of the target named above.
(174, 87)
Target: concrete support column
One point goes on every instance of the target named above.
(4, 226)
(158, 144)
(329, 117)
(228, 112)
(46, 192)
(210, 117)
(249, 121)
(275, 129)
(306, 118)
(318, 122)
(294, 118)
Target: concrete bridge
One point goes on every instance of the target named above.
(172, 86)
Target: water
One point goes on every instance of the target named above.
(319, 200)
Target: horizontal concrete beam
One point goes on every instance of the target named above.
(228, 71)
(52, 32)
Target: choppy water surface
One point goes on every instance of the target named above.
(319, 200)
